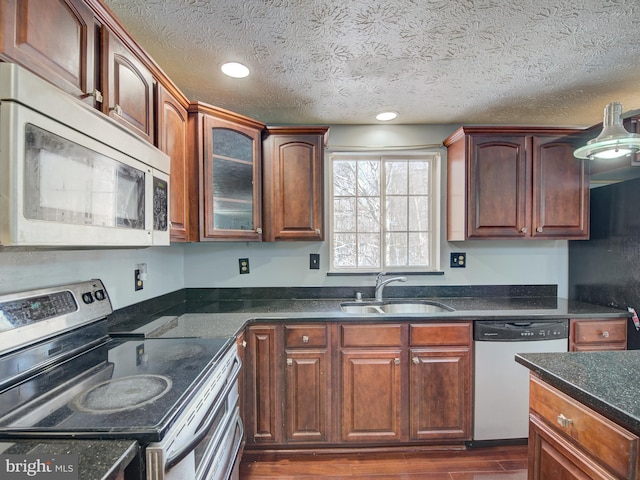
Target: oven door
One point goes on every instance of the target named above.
(198, 442)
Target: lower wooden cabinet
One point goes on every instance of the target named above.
(597, 334)
(568, 440)
(357, 384)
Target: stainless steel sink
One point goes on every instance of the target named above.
(395, 307)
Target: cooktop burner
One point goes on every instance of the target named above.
(122, 394)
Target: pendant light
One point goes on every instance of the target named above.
(614, 141)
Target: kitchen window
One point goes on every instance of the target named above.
(384, 212)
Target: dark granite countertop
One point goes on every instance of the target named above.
(605, 381)
(215, 317)
(97, 459)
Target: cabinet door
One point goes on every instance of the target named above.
(128, 88)
(560, 202)
(232, 181)
(499, 191)
(294, 185)
(53, 38)
(371, 395)
(307, 402)
(263, 416)
(440, 393)
(172, 140)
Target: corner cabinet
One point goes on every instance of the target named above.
(294, 183)
(227, 148)
(516, 182)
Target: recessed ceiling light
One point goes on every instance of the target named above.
(386, 116)
(235, 70)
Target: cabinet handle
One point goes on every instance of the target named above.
(117, 109)
(305, 339)
(415, 360)
(396, 361)
(244, 344)
(289, 362)
(259, 231)
(523, 229)
(317, 231)
(605, 334)
(564, 421)
(539, 229)
(97, 94)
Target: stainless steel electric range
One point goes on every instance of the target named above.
(62, 376)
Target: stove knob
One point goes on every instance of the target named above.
(87, 297)
(99, 294)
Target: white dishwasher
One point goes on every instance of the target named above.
(501, 386)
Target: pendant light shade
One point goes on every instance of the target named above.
(614, 141)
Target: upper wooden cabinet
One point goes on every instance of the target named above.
(294, 183)
(172, 139)
(227, 148)
(55, 39)
(515, 183)
(128, 88)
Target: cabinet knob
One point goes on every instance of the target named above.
(244, 344)
(539, 229)
(305, 339)
(415, 360)
(289, 362)
(317, 231)
(564, 421)
(605, 334)
(259, 231)
(117, 109)
(523, 229)
(396, 361)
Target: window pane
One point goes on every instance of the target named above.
(418, 213)
(344, 214)
(419, 178)
(369, 251)
(396, 177)
(344, 178)
(344, 250)
(396, 254)
(419, 248)
(396, 219)
(369, 214)
(369, 178)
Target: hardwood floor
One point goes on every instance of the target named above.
(499, 463)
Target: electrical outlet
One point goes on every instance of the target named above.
(314, 261)
(458, 260)
(244, 265)
(139, 284)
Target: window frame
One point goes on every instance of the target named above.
(435, 208)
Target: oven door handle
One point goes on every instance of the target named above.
(202, 433)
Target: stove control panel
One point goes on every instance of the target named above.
(35, 315)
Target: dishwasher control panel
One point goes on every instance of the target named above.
(519, 330)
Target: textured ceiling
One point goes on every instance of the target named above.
(534, 62)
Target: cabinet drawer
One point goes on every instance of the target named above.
(305, 336)
(599, 331)
(441, 334)
(613, 445)
(371, 335)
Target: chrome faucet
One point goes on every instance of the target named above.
(381, 283)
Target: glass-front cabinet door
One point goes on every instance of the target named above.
(231, 181)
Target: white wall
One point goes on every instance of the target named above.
(36, 269)
(283, 264)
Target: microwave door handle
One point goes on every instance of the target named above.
(202, 433)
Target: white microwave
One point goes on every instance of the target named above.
(72, 177)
